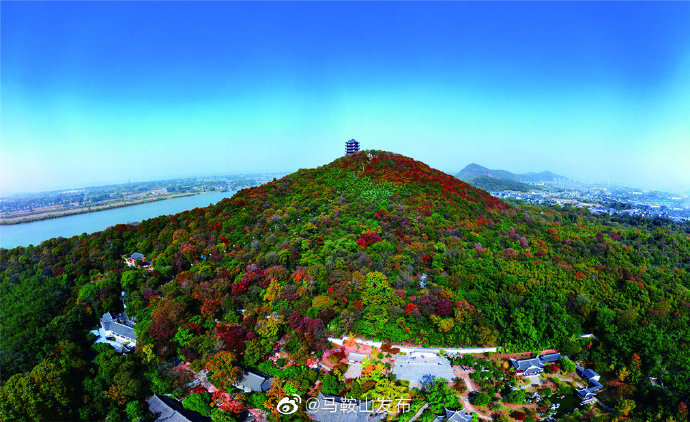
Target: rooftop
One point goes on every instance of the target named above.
(590, 373)
(353, 371)
(170, 410)
(587, 373)
(118, 324)
(551, 357)
(456, 416)
(584, 394)
(594, 386)
(522, 365)
(254, 381)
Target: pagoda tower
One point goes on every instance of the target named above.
(351, 147)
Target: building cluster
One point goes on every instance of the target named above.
(416, 367)
(669, 208)
(646, 211)
(167, 409)
(138, 260)
(587, 395)
(533, 366)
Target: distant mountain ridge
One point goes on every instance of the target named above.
(473, 171)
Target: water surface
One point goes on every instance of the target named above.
(36, 232)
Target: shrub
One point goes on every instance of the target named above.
(481, 399)
(516, 396)
(198, 402)
(566, 364)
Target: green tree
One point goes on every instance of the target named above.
(224, 367)
(198, 402)
(439, 396)
(254, 352)
(136, 411)
(331, 385)
(566, 364)
(625, 406)
(48, 392)
(377, 296)
(183, 336)
(516, 396)
(132, 280)
(220, 415)
(481, 399)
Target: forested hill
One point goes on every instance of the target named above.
(335, 250)
(475, 171)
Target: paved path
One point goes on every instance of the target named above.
(465, 377)
(469, 384)
(533, 380)
(470, 389)
(408, 349)
(468, 407)
(520, 355)
(419, 412)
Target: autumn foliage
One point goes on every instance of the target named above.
(374, 244)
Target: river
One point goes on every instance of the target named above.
(36, 232)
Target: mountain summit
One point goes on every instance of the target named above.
(378, 175)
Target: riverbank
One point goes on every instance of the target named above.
(35, 232)
(47, 215)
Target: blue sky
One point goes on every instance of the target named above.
(106, 92)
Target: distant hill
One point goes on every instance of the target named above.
(474, 171)
(492, 184)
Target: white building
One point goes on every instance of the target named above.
(121, 328)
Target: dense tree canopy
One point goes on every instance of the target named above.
(374, 244)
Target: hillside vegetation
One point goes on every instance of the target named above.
(336, 250)
(491, 184)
